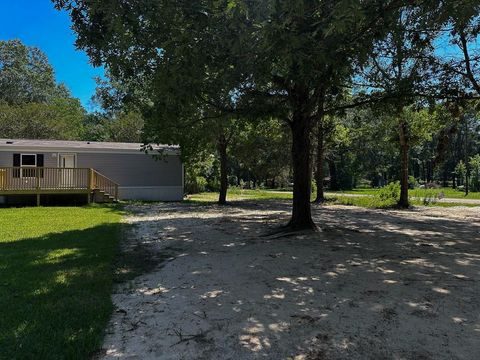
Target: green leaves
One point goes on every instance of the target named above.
(475, 172)
(61, 120)
(32, 104)
(25, 75)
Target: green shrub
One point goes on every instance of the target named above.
(387, 197)
(412, 182)
(475, 172)
(213, 184)
(430, 197)
(201, 183)
(390, 193)
(195, 185)
(460, 172)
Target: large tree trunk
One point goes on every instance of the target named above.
(222, 153)
(319, 175)
(301, 213)
(403, 202)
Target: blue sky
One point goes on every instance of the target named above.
(37, 23)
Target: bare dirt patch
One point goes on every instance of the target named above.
(372, 285)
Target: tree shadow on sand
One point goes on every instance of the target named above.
(371, 285)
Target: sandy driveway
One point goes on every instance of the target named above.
(373, 285)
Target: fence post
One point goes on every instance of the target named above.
(92, 179)
(37, 173)
(90, 185)
(2, 179)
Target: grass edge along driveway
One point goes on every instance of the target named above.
(56, 277)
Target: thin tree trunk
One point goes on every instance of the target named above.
(445, 177)
(467, 167)
(301, 213)
(403, 202)
(430, 169)
(424, 173)
(319, 175)
(332, 168)
(222, 152)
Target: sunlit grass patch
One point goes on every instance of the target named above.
(237, 194)
(56, 277)
(444, 193)
(419, 193)
(341, 198)
(374, 202)
(367, 201)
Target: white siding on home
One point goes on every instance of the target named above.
(6, 158)
(134, 169)
(151, 193)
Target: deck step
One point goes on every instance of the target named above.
(101, 196)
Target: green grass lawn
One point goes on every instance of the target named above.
(375, 203)
(447, 192)
(236, 194)
(56, 273)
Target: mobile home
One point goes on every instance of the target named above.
(99, 171)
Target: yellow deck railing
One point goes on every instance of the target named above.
(2, 178)
(46, 180)
(103, 183)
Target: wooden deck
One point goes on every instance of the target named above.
(52, 181)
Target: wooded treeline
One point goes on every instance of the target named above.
(34, 106)
(361, 151)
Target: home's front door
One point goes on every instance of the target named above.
(67, 163)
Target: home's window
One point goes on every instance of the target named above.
(28, 160)
(26, 165)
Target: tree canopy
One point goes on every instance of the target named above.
(195, 68)
(26, 76)
(33, 105)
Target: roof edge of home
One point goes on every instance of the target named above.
(83, 146)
